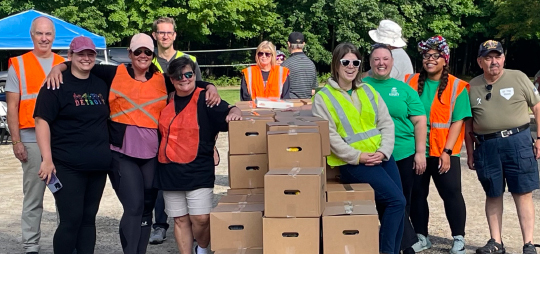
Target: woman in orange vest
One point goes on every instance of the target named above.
(137, 95)
(186, 171)
(266, 79)
(446, 101)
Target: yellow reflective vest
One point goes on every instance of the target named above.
(178, 55)
(358, 129)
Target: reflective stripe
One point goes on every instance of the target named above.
(250, 80)
(371, 97)
(137, 107)
(409, 79)
(351, 137)
(280, 81)
(24, 89)
(452, 105)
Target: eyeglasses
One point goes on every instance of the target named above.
(280, 58)
(435, 56)
(163, 33)
(355, 63)
(268, 55)
(488, 88)
(146, 52)
(187, 75)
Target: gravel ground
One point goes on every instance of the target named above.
(110, 212)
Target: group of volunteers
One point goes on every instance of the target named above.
(151, 127)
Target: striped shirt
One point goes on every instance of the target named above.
(302, 75)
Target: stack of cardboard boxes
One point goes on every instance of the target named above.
(278, 191)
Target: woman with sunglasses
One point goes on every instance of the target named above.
(137, 95)
(362, 140)
(446, 101)
(266, 79)
(186, 170)
(409, 119)
(280, 57)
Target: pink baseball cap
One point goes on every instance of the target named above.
(81, 43)
(141, 40)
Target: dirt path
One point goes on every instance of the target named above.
(111, 210)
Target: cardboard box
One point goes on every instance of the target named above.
(337, 192)
(296, 102)
(245, 191)
(273, 103)
(290, 126)
(293, 114)
(291, 235)
(236, 226)
(235, 199)
(247, 171)
(350, 228)
(333, 174)
(245, 105)
(297, 192)
(239, 251)
(258, 113)
(248, 136)
(323, 129)
(299, 149)
(307, 101)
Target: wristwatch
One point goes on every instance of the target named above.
(448, 151)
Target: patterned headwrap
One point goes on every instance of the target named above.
(435, 43)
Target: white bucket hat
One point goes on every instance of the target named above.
(389, 33)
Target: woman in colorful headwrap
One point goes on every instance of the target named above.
(446, 101)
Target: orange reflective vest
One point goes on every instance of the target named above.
(440, 117)
(135, 102)
(31, 78)
(179, 132)
(274, 85)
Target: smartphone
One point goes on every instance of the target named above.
(54, 184)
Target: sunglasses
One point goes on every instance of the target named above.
(147, 52)
(435, 56)
(268, 55)
(280, 58)
(345, 62)
(187, 75)
(488, 88)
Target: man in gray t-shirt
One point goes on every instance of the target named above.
(389, 33)
(302, 72)
(26, 75)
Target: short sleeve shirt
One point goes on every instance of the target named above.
(511, 96)
(462, 108)
(402, 102)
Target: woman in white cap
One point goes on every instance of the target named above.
(137, 95)
(389, 33)
(71, 132)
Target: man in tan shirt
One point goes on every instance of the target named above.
(499, 143)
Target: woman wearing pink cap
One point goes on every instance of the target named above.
(137, 95)
(71, 131)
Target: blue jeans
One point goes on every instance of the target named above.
(386, 182)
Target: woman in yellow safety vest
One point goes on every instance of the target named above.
(362, 140)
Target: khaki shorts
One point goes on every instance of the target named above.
(196, 202)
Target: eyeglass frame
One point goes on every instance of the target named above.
(489, 87)
(342, 62)
(431, 55)
(162, 33)
(182, 75)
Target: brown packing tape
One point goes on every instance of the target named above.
(349, 249)
(294, 171)
(348, 187)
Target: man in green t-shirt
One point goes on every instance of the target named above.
(499, 143)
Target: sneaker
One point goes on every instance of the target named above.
(459, 245)
(158, 235)
(422, 244)
(492, 247)
(529, 248)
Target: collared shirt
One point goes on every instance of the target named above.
(302, 75)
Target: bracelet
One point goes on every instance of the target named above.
(15, 142)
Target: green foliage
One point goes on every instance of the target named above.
(323, 77)
(517, 19)
(224, 80)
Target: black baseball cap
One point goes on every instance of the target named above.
(296, 38)
(488, 46)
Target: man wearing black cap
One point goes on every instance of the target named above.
(499, 143)
(302, 75)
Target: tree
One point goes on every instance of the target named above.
(517, 19)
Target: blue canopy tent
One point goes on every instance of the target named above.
(15, 32)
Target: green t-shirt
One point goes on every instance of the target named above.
(402, 102)
(462, 108)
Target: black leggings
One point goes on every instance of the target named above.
(449, 187)
(77, 203)
(408, 179)
(132, 180)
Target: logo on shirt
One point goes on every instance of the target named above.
(394, 92)
(535, 91)
(507, 93)
(478, 101)
(91, 99)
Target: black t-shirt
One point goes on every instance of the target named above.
(200, 173)
(77, 114)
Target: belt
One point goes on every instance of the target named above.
(503, 133)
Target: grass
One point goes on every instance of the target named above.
(231, 96)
